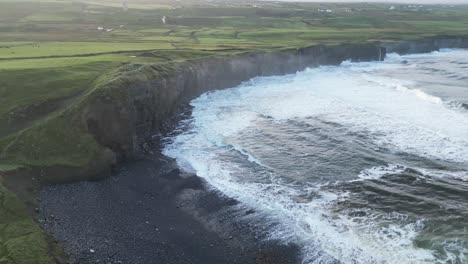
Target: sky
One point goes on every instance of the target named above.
(390, 1)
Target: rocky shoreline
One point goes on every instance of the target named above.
(150, 212)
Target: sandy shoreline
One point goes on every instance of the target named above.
(150, 212)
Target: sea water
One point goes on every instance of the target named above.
(357, 163)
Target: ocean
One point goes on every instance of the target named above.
(365, 162)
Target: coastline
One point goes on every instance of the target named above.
(83, 216)
(126, 108)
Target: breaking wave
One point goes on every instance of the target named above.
(357, 163)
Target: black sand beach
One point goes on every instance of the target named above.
(150, 212)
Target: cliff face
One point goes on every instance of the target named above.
(425, 45)
(152, 93)
(133, 103)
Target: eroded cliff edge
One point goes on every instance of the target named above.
(127, 107)
(425, 45)
(152, 93)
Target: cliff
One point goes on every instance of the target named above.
(128, 106)
(154, 92)
(429, 44)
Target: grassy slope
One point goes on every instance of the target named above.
(52, 56)
(21, 240)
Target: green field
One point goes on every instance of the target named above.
(21, 240)
(54, 53)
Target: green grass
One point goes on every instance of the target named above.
(8, 167)
(76, 48)
(459, 25)
(55, 141)
(21, 240)
(61, 82)
(358, 22)
(24, 105)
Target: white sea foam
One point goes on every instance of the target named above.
(378, 172)
(407, 120)
(324, 235)
(388, 111)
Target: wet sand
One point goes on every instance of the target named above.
(150, 212)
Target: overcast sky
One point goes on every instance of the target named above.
(393, 1)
